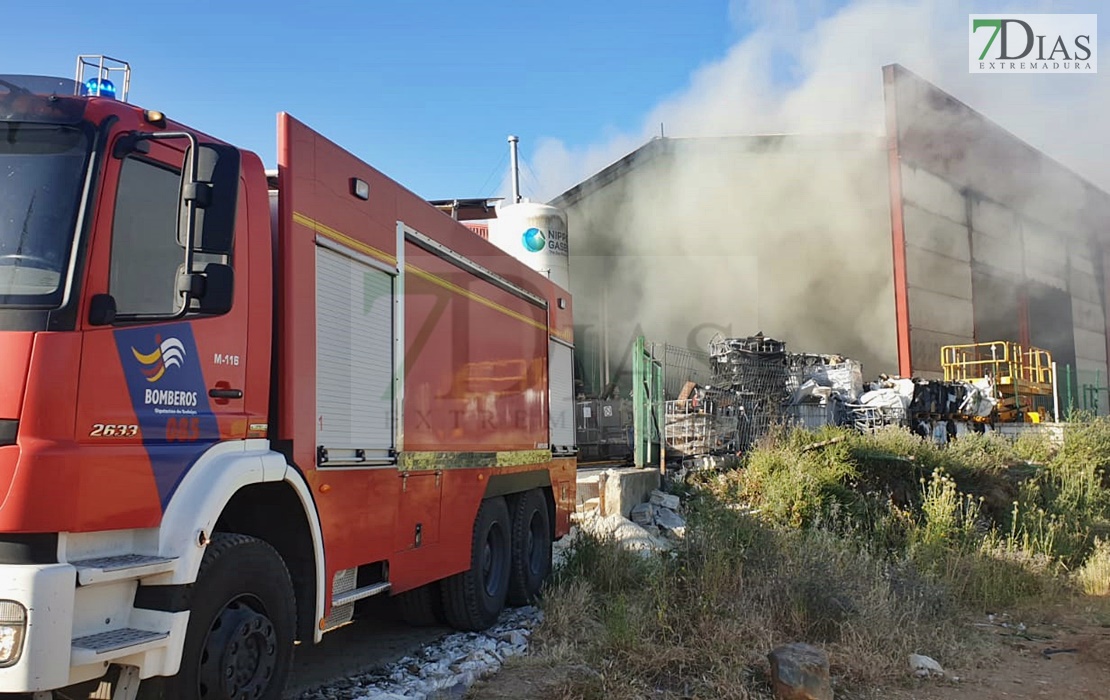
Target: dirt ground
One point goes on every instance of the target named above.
(1066, 655)
(1069, 658)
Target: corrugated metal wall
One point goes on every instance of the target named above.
(1002, 243)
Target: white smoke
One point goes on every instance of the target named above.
(832, 61)
(792, 239)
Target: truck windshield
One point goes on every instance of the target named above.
(42, 171)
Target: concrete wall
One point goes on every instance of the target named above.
(692, 237)
(1003, 243)
(938, 269)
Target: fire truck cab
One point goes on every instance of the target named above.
(235, 403)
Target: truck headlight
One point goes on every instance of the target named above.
(13, 627)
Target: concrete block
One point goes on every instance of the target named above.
(934, 233)
(590, 504)
(933, 193)
(1055, 431)
(623, 489)
(586, 488)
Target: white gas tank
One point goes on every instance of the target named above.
(535, 234)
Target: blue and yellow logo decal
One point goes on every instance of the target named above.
(169, 395)
(533, 240)
(169, 353)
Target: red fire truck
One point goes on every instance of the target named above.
(236, 402)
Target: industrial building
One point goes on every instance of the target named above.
(948, 230)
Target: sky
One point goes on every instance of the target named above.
(428, 91)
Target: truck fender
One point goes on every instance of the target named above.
(202, 495)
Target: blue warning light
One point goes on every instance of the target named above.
(100, 87)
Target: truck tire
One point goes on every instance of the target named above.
(531, 562)
(423, 606)
(242, 621)
(474, 599)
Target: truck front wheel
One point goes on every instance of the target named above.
(239, 640)
(474, 599)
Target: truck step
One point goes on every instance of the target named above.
(113, 644)
(359, 594)
(121, 567)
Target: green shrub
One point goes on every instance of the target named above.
(872, 546)
(1094, 576)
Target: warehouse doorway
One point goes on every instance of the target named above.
(1051, 328)
(998, 308)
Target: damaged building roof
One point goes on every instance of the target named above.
(742, 144)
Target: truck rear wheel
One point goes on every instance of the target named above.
(475, 598)
(239, 641)
(423, 606)
(531, 563)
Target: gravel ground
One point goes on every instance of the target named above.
(442, 669)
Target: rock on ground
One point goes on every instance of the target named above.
(923, 666)
(670, 520)
(627, 533)
(643, 514)
(667, 500)
(800, 672)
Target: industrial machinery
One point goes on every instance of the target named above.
(234, 403)
(1020, 380)
(604, 430)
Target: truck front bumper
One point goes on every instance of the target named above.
(40, 659)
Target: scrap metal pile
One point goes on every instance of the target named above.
(756, 384)
(749, 377)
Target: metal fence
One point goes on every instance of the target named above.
(680, 365)
(1083, 390)
(723, 401)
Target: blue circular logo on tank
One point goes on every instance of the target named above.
(533, 240)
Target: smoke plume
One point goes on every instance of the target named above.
(780, 220)
(834, 84)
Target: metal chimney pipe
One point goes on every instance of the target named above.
(515, 168)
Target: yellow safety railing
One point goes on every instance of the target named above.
(1021, 370)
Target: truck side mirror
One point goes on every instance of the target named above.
(219, 289)
(102, 310)
(214, 195)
